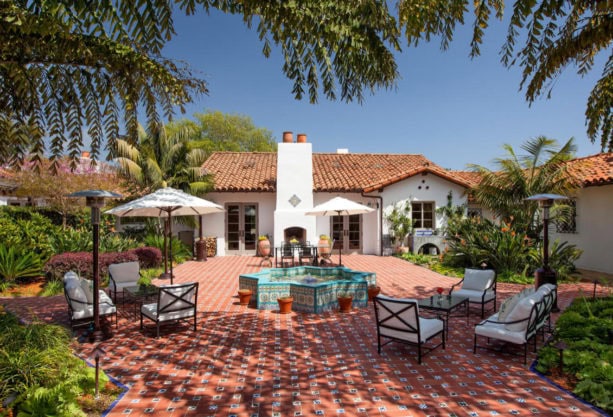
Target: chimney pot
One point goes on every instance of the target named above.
(302, 138)
(288, 137)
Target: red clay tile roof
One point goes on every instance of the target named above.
(243, 171)
(332, 172)
(593, 170)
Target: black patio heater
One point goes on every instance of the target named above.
(545, 274)
(95, 200)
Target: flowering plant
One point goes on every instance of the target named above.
(440, 290)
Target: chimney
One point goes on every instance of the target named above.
(342, 150)
(85, 154)
(302, 138)
(288, 137)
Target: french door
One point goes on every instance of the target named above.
(241, 228)
(347, 232)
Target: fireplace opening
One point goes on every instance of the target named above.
(295, 233)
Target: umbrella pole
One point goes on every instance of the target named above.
(170, 244)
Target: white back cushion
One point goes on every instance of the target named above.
(478, 279)
(521, 311)
(395, 305)
(125, 271)
(76, 293)
(507, 306)
(176, 303)
(87, 286)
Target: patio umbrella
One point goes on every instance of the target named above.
(338, 206)
(165, 203)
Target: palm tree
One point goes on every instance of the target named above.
(162, 158)
(541, 170)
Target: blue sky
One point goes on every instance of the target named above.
(451, 109)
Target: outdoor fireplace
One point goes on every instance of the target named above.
(297, 233)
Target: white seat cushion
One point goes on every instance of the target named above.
(500, 331)
(428, 328)
(478, 279)
(475, 296)
(151, 311)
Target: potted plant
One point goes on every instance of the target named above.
(373, 291)
(344, 301)
(285, 304)
(264, 245)
(400, 224)
(324, 245)
(244, 296)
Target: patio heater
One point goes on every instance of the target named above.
(95, 200)
(546, 275)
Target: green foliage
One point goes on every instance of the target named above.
(562, 257)
(179, 251)
(18, 263)
(27, 228)
(584, 327)
(52, 287)
(38, 367)
(516, 177)
(399, 221)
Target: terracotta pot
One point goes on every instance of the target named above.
(345, 304)
(301, 138)
(323, 246)
(244, 297)
(264, 247)
(285, 304)
(373, 291)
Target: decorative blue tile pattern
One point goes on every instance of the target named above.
(314, 289)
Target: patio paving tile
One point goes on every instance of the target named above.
(246, 362)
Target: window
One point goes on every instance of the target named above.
(569, 223)
(422, 215)
(474, 212)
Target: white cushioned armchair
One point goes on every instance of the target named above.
(398, 320)
(80, 299)
(479, 286)
(175, 302)
(122, 275)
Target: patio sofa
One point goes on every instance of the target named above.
(80, 298)
(520, 318)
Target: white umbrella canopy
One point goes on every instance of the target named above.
(165, 203)
(338, 206)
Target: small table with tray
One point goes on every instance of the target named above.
(446, 304)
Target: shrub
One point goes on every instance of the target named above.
(148, 257)
(82, 263)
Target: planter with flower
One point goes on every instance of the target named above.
(324, 245)
(373, 291)
(285, 304)
(344, 302)
(440, 291)
(264, 245)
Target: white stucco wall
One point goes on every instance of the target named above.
(424, 188)
(594, 229)
(214, 224)
(294, 180)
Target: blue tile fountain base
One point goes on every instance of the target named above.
(314, 289)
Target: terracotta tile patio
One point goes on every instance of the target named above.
(246, 362)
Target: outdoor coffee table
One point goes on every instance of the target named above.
(445, 304)
(139, 295)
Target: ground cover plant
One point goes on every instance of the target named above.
(586, 330)
(40, 375)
